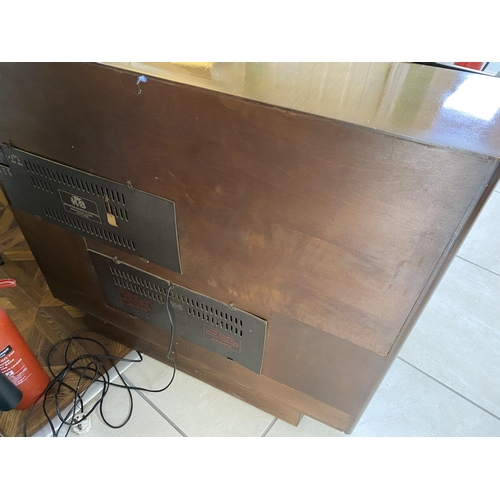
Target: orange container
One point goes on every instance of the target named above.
(17, 361)
(471, 65)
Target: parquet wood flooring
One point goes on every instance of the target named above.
(42, 319)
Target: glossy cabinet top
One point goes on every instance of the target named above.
(433, 105)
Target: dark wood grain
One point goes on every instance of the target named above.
(259, 390)
(361, 218)
(408, 100)
(190, 364)
(335, 230)
(280, 400)
(438, 273)
(314, 362)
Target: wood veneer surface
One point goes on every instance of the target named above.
(333, 232)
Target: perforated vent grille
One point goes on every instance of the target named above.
(41, 184)
(46, 175)
(121, 216)
(214, 325)
(225, 321)
(119, 212)
(195, 308)
(69, 180)
(89, 229)
(138, 285)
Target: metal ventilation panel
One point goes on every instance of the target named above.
(216, 326)
(131, 220)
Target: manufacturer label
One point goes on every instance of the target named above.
(82, 207)
(221, 338)
(176, 305)
(135, 301)
(14, 369)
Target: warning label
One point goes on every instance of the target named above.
(5, 351)
(221, 338)
(133, 300)
(14, 369)
(82, 207)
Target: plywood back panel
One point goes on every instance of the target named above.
(330, 231)
(335, 226)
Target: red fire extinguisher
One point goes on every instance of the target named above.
(471, 65)
(17, 361)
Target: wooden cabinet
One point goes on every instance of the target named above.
(326, 199)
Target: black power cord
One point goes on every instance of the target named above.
(90, 367)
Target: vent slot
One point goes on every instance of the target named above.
(210, 315)
(42, 184)
(74, 182)
(118, 212)
(138, 285)
(203, 320)
(132, 220)
(228, 322)
(89, 229)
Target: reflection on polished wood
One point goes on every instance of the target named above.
(326, 198)
(409, 100)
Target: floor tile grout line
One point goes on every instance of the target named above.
(477, 265)
(175, 426)
(269, 427)
(450, 388)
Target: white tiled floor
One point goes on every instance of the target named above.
(445, 381)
